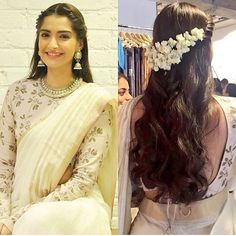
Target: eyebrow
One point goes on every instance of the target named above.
(61, 31)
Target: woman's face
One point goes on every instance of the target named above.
(123, 91)
(57, 42)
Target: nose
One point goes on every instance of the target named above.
(53, 43)
(128, 97)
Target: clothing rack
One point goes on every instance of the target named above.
(134, 40)
(130, 39)
(134, 27)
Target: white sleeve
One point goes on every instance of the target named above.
(7, 160)
(87, 164)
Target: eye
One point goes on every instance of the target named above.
(44, 35)
(121, 92)
(64, 36)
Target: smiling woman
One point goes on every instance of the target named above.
(58, 137)
(61, 34)
(57, 46)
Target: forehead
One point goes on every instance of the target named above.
(56, 23)
(123, 83)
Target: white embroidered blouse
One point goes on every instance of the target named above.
(24, 105)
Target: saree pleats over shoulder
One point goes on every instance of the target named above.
(43, 155)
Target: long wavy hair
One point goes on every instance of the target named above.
(168, 151)
(78, 25)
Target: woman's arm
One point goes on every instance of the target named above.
(88, 161)
(7, 160)
(87, 164)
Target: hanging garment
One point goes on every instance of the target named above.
(121, 57)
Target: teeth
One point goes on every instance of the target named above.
(53, 54)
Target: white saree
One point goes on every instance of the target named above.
(43, 155)
(213, 215)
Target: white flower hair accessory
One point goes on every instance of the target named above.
(163, 55)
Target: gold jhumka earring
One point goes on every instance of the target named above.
(78, 56)
(40, 64)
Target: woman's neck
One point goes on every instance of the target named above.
(59, 79)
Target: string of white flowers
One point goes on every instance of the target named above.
(163, 55)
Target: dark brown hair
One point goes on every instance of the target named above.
(121, 75)
(168, 152)
(231, 89)
(78, 25)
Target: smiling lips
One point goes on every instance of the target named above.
(53, 54)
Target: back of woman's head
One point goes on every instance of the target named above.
(169, 152)
(193, 73)
(121, 75)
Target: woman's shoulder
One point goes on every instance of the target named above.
(22, 85)
(138, 111)
(131, 104)
(132, 109)
(98, 90)
(101, 95)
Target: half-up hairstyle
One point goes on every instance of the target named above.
(78, 25)
(168, 152)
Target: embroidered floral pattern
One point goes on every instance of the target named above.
(24, 106)
(220, 182)
(28, 104)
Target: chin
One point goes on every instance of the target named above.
(56, 65)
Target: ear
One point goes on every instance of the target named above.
(80, 45)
